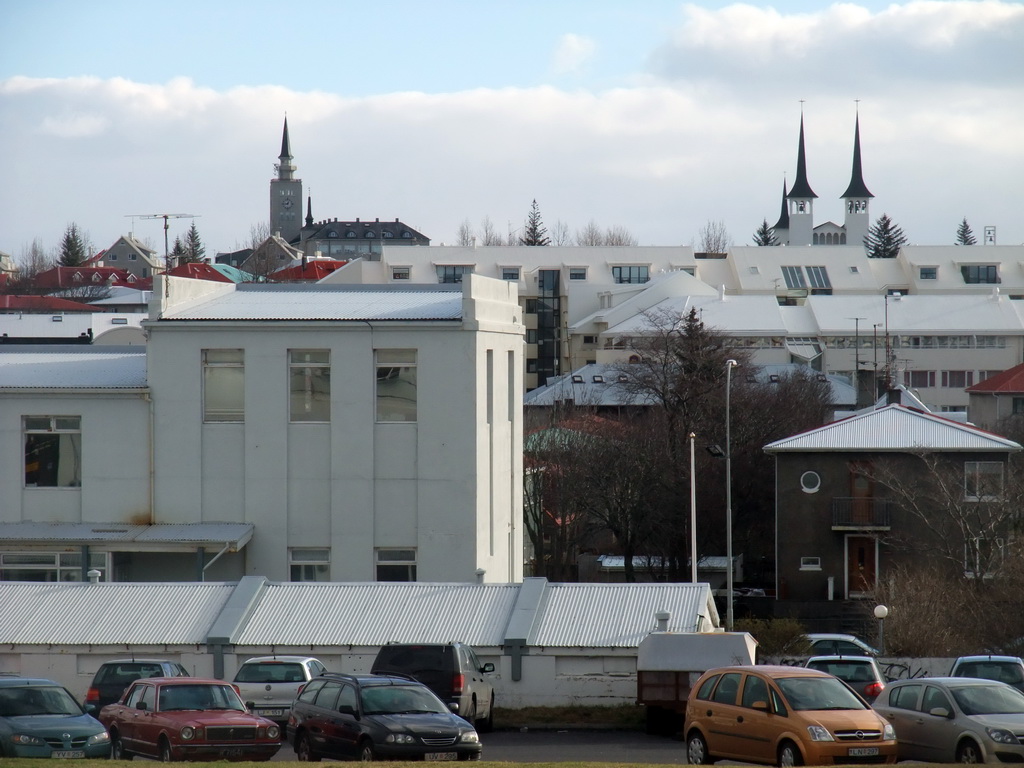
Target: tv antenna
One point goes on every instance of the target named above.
(166, 217)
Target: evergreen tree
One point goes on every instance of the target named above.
(195, 251)
(535, 233)
(884, 239)
(72, 247)
(964, 235)
(178, 253)
(765, 235)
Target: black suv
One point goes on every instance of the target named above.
(114, 677)
(369, 717)
(451, 670)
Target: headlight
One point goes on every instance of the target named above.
(187, 733)
(100, 738)
(400, 738)
(888, 732)
(273, 732)
(469, 737)
(818, 733)
(1001, 736)
(26, 739)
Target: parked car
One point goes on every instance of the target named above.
(861, 673)
(40, 718)
(1005, 669)
(187, 718)
(955, 719)
(824, 643)
(367, 717)
(451, 670)
(113, 678)
(269, 684)
(779, 715)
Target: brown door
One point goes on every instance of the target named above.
(862, 491)
(861, 566)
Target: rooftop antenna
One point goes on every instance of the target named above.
(166, 217)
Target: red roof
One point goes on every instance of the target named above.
(76, 277)
(42, 304)
(313, 270)
(199, 272)
(1011, 381)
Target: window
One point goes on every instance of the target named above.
(929, 273)
(531, 335)
(1018, 405)
(727, 688)
(531, 365)
(919, 379)
(309, 564)
(396, 564)
(957, 379)
(396, 385)
(754, 689)
(53, 451)
(632, 275)
(577, 273)
(818, 277)
(810, 563)
(905, 697)
(133, 257)
(530, 307)
(794, 277)
(590, 339)
(50, 566)
(510, 273)
(223, 385)
(983, 480)
(400, 273)
(112, 256)
(980, 273)
(452, 273)
(309, 382)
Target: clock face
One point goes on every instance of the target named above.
(287, 202)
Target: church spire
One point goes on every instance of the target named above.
(857, 187)
(285, 169)
(800, 187)
(783, 222)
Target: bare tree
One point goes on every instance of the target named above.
(713, 238)
(258, 233)
(560, 234)
(465, 236)
(591, 234)
(488, 234)
(619, 235)
(32, 260)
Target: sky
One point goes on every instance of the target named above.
(654, 116)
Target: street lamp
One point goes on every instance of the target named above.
(880, 613)
(729, 365)
(693, 515)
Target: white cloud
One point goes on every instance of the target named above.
(572, 53)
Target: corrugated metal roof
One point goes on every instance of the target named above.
(614, 615)
(377, 613)
(316, 302)
(894, 428)
(120, 614)
(91, 368)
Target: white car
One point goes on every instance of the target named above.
(269, 684)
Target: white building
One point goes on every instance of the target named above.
(295, 432)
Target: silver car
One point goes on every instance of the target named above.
(955, 720)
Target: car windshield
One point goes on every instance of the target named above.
(989, 700)
(198, 696)
(1003, 671)
(37, 700)
(816, 693)
(400, 699)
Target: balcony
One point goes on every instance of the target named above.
(861, 514)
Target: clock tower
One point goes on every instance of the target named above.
(286, 194)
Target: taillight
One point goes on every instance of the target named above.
(92, 695)
(299, 690)
(871, 690)
(458, 681)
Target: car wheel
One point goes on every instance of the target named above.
(304, 750)
(487, 724)
(968, 751)
(366, 751)
(117, 750)
(697, 750)
(789, 755)
(165, 751)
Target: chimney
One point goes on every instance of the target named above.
(662, 617)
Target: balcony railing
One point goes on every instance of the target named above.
(861, 513)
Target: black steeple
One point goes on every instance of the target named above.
(783, 222)
(857, 186)
(309, 211)
(801, 189)
(286, 145)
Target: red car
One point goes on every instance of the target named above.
(187, 718)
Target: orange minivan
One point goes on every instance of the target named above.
(784, 716)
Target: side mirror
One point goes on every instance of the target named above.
(250, 705)
(488, 667)
(760, 706)
(941, 712)
(142, 705)
(347, 709)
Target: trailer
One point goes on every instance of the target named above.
(668, 663)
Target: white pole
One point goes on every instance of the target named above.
(693, 514)
(729, 365)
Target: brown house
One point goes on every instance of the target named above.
(852, 501)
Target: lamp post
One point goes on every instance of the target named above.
(693, 515)
(729, 365)
(880, 613)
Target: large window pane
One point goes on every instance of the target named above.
(223, 385)
(396, 385)
(309, 385)
(53, 451)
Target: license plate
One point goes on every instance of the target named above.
(68, 753)
(862, 751)
(441, 756)
(270, 712)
